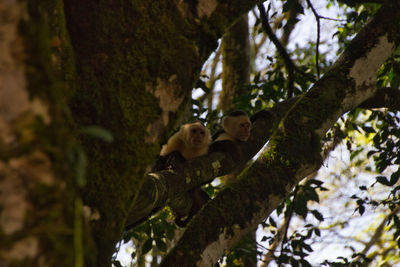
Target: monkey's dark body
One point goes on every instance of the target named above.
(226, 146)
(198, 195)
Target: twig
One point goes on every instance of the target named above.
(327, 18)
(288, 221)
(317, 17)
(288, 62)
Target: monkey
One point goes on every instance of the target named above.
(192, 140)
(236, 128)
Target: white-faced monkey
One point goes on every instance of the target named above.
(236, 128)
(192, 140)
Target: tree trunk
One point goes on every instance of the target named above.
(89, 91)
(235, 63)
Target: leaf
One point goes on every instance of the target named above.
(396, 221)
(382, 180)
(272, 222)
(396, 235)
(370, 153)
(361, 210)
(363, 188)
(300, 207)
(317, 231)
(312, 195)
(315, 181)
(161, 245)
(394, 177)
(355, 153)
(257, 78)
(368, 129)
(318, 215)
(305, 263)
(117, 263)
(147, 246)
(307, 247)
(98, 132)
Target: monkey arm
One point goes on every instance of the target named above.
(199, 198)
(169, 161)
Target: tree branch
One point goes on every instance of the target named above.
(286, 58)
(377, 235)
(354, 2)
(317, 17)
(386, 97)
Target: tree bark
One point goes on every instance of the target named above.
(235, 46)
(76, 75)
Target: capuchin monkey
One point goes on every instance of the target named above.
(236, 128)
(192, 140)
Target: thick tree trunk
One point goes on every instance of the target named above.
(235, 47)
(39, 210)
(76, 75)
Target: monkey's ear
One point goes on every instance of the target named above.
(226, 122)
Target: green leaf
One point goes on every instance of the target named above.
(382, 180)
(161, 245)
(368, 129)
(272, 222)
(307, 247)
(311, 195)
(318, 215)
(147, 246)
(317, 231)
(396, 221)
(117, 263)
(394, 177)
(361, 210)
(300, 207)
(98, 132)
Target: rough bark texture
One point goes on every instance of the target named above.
(235, 46)
(37, 211)
(72, 73)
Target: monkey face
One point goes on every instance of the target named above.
(238, 127)
(242, 131)
(197, 134)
